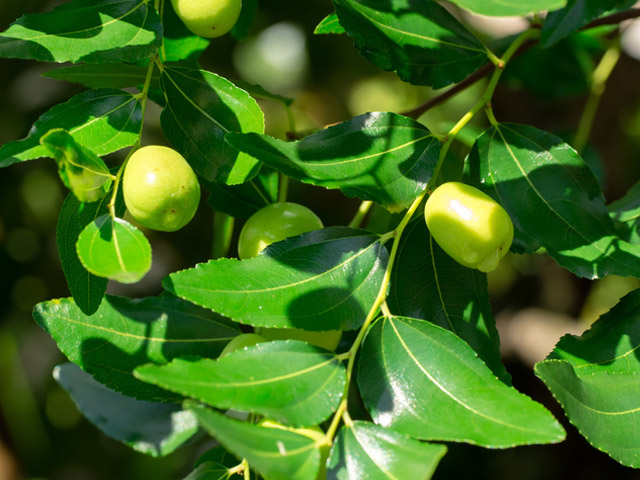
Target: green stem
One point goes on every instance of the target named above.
(222, 234)
(598, 84)
(360, 214)
(283, 189)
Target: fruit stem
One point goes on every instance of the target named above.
(598, 83)
(361, 214)
(283, 189)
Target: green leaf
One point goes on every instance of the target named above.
(428, 284)
(421, 380)
(217, 454)
(209, 471)
(553, 198)
(86, 288)
(382, 454)
(103, 121)
(113, 248)
(507, 8)
(155, 429)
(103, 75)
(289, 381)
(575, 15)
(322, 280)
(179, 43)
(126, 333)
(201, 109)
(330, 25)
(421, 41)
(258, 91)
(242, 201)
(240, 30)
(277, 454)
(383, 157)
(81, 170)
(626, 212)
(595, 379)
(86, 31)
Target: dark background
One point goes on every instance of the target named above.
(42, 436)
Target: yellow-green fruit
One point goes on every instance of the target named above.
(469, 225)
(160, 189)
(273, 223)
(208, 18)
(328, 340)
(241, 341)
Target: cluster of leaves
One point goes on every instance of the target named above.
(424, 357)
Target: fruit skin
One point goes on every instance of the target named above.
(160, 189)
(469, 225)
(328, 340)
(208, 18)
(241, 341)
(273, 223)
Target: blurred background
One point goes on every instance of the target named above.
(42, 435)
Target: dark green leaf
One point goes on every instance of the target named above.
(329, 25)
(179, 43)
(103, 121)
(421, 41)
(575, 15)
(322, 280)
(422, 380)
(103, 75)
(553, 198)
(113, 248)
(218, 454)
(427, 283)
(289, 381)
(277, 454)
(240, 30)
(125, 333)
(596, 379)
(86, 288)
(381, 453)
(383, 157)
(81, 170)
(242, 201)
(209, 471)
(258, 91)
(506, 8)
(155, 429)
(201, 109)
(626, 212)
(86, 31)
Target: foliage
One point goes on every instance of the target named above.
(420, 350)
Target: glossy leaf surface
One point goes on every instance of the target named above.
(209, 471)
(201, 109)
(405, 361)
(87, 289)
(626, 214)
(126, 333)
(277, 454)
(103, 121)
(421, 41)
(383, 157)
(576, 14)
(86, 31)
(322, 280)
(595, 379)
(506, 8)
(427, 283)
(553, 198)
(103, 75)
(81, 170)
(155, 429)
(365, 450)
(329, 25)
(291, 382)
(114, 249)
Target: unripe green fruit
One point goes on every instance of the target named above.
(160, 189)
(208, 18)
(273, 223)
(328, 340)
(241, 341)
(469, 225)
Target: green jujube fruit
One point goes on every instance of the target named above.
(161, 190)
(469, 225)
(208, 18)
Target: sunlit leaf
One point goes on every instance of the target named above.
(507, 8)
(329, 25)
(103, 75)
